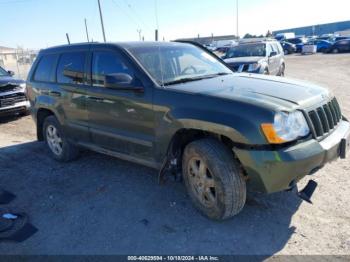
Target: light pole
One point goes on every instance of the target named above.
(139, 31)
(87, 32)
(103, 28)
(237, 32)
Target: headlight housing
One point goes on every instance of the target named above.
(286, 127)
(254, 67)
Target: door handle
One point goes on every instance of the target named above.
(96, 99)
(55, 93)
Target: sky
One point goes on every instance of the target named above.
(43, 23)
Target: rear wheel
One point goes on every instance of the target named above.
(335, 51)
(60, 148)
(286, 52)
(213, 179)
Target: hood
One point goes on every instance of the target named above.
(273, 92)
(244, 60)
(8, 80)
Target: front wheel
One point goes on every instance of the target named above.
(213, 179)
(335, 51)
(60, 148)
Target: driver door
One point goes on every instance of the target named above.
(119, 120)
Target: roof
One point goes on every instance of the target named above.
(123, 45)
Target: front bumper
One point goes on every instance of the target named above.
(273, 171)
(16, 108)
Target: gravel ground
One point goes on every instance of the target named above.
(101, 205)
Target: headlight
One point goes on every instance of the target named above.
(286, 127)
(253, 67)
(23, 86)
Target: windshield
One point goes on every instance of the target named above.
(3, 72)
(178, 62)
(247, 50)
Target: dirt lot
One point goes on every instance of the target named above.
(101, 205)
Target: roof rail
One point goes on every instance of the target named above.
(256, 40)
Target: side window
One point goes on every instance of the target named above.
(108, 63)
(275, 48)
(268, 49)
(45, 71)
(280, 49)
(70, 69)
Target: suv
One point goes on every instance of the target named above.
(256, 56)
(178, 108)
(12, 94)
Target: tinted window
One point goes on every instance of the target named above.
(70, 68)
(45, 70)
(107, 63)
(245, 50)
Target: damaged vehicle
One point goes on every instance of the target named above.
(178, 108)
(12, 94)
(256, 56)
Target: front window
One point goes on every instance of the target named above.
(247, 50)
(3, 72)
(169, 64)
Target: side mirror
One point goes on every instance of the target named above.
(273, 53)
(11, 73)
(122, 81)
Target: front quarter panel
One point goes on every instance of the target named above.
(236, 120)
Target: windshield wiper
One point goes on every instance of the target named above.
(191, 79)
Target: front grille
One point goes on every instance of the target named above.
(324, 119)
(12, 99)
(239, 67)
(9, 88)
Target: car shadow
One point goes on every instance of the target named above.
(10, 118)
(102, 205)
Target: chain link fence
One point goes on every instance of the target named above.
(17, 60)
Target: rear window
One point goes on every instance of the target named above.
(45, 71)
(70, 69)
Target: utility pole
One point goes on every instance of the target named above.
(237, 32)
(103, 28)
(68, 38)
(156, 14)
(87, 32)
(139, 31)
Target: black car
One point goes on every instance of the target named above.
(256, 56)
(340, 46)
(288, 48)
(12, 94)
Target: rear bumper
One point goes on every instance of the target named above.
(16, 108)
(273, 171)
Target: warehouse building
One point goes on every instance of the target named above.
(321, 29)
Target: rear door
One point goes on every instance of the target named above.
(121, 121)
(274, 60)
(71, 80)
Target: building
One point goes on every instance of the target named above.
(7, 56)
(321, 29)
(209, 39)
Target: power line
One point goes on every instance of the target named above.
(103, 28)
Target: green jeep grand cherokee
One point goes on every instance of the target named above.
(176, 107)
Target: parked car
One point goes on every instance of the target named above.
(12, 94)
(177, 107)
(261, 57)
(322, 45)
(338, 38)
(288, 48)
(340, 46)
(298, 42)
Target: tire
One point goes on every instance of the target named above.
(68, 151)
(223, 191)
(335, 51)
(266, 71)
(286, 52)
